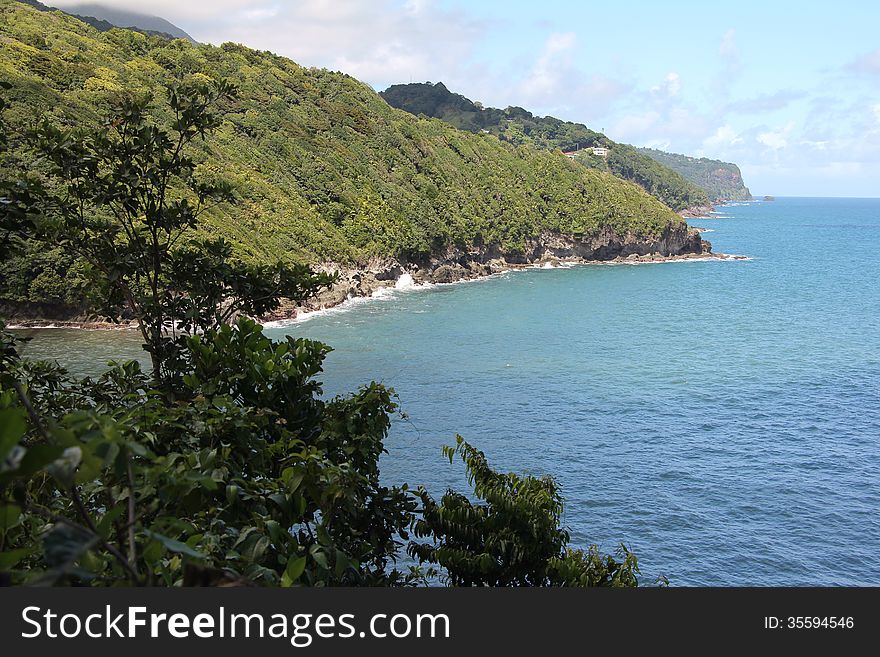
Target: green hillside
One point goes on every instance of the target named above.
(325, 169)
(722, 181)
(106, 18)
(518, 126)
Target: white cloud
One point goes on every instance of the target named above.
(632, 125)
(776, 139)
(260, 13)
(174, 9)
(731, 67)
(765, 103)
(416, 6)
(556, 85)
(548, 75)
(670, 87)
(722, 137)
(382, 42)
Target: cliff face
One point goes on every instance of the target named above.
(722, 181)
(674, 243)
(677, 240)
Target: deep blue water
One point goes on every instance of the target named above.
(720, 418)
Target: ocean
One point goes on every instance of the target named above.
(721, 418)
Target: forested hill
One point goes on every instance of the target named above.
(106, 18)
(325, 169)
(722, 181)
(516, 125)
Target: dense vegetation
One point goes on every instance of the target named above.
(223, 464)
(520, 127)
(323, 169)
(106, 18)
(722, 181)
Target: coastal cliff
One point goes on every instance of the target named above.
(722, 181)
(679, 242)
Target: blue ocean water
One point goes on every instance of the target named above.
(721, 418)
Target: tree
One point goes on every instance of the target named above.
(225, 465)
(514, 539)
(16, 220)
(126, 199)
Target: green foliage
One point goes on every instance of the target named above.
(225, 462)
(225, 465)
(125, 197)
(722, 181)
(520, 127)
(249, 473)
(323, 169)
(16, 220)
(514, 538)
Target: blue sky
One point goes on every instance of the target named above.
(789, 91)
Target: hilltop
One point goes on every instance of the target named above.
(326, 171)
(105, 18)
(518, 126)
(722, 181)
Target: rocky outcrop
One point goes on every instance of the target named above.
(455, 264)
(698, 211)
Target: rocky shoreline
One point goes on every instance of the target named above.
(697, 212)
(456, 265)
(680, 242)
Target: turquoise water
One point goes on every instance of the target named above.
(721, 418)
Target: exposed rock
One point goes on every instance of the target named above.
(448, 274)
(455, 264)
(697, 211)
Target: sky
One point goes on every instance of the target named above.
(790, 91)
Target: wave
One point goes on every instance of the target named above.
(720, 257)
(404, 285)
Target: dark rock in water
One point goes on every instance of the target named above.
(769, 198)
(447, 274)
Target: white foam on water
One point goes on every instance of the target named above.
(404, 282)
(404, 285)
(708, 258)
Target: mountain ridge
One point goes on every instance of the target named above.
(519, 126)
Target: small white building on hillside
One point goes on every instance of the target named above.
(601, 151)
